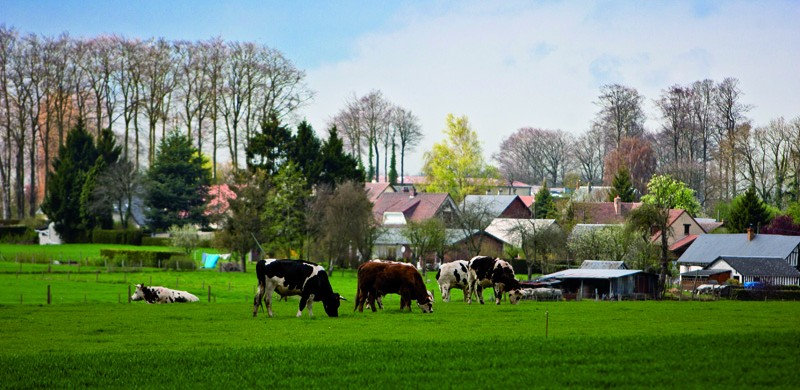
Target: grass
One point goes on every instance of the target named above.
(102, 343)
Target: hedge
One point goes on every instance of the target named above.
(156, 241)
(768, 294)
(126, 237)
(148, 258)
(9, 222)
(16, 230)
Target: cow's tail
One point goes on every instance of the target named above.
(438, 273)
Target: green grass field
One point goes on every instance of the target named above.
(102, 343)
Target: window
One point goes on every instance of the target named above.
(686, 227)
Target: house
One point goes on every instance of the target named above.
(603, 213)
(500, 206)
(767, 270)
(393, 244)
(399, 208)
(601, 264)
(590, 283)
(690, 280)
(709, 224)
(681, 225)
(375, 190)
(507, 229)
(48, 235)
(707, 248)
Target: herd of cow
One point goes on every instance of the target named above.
(376, 278)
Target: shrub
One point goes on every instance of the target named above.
(179, 263)
(126, 237)
(768, 294)
(9, 222)
(155, 241)
(184, 237)
(18, 234)
(147, 258)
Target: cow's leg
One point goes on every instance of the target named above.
(470, 290)
(310, 303)
(371, 299)
(359, 302)
(268, 299)
(498, 292)
(304, 299)
(479, 292)
(379, 300)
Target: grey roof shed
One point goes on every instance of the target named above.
(708, 247)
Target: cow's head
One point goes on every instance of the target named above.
(432, 296)
(332, 305)
(426, 305)
(514, 296)
(139, 295)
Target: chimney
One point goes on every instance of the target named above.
(413, 193)
(618, 206)
(750, 234)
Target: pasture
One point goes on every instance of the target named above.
(102, 343)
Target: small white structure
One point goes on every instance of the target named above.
(48, 235)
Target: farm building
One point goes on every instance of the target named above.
(692, 279)
(393, 245)
(585, 283)
(499, 206)
(709, 247)
(772, 271)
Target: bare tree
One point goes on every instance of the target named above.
(589, 152)
(407, 126)
(8, 41)
(703, 111)
(621, 114)
(374, 109)
(532, 154)
(472, 218)
(119, 184)
(158, 82)
(730, 113)
(348, 121)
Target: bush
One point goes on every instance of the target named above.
(126, 237)
(9, 222)
(156, 241)
(18, 234)
(768, 294)
(146, 258)
(179, 263)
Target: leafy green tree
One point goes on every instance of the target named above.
(268, 150)
(177, 189)
(621, 186)
(544, 205)
(748, 210)
(338, 166)
(284, 212)
(244, 222)
(93, 213)
(344, 220)
(665, 192)
(62, 204)
(425, 237)
(184, 237)
(456, 164)
(645, 220)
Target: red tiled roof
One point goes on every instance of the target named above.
(603, 213)
(374, 190)
(422, 206)
(528, 200)
(683, 242)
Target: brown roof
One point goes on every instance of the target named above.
(683, 242)
(602, 212)
(710, 226)
(421, 207)
(374, 190)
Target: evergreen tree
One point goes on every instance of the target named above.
(338, 166)
(70, 169)
(306, 153)
(748, 210)
(108, 148)
(269, 149)
(94, 214)
(393, 167)
(621, 186)
(177, 185)
(545, 206)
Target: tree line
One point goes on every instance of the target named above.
(217, 92)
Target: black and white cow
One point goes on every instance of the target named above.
(295, 277)
(453, 275)
(490, 272)
(161, 295)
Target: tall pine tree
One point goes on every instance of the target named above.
(306, 154)
(393, 167)
(268, 150)
(62, 204)
(338, 166)
(621, 186)
(177, 185)
(544, 205)
(748, 210)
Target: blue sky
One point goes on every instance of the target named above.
(504, 64)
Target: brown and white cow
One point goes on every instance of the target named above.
(161, 295)
(487, 271)
(453, 275)
(378, 278)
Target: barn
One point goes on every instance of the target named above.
(615, 284)
(690, 280)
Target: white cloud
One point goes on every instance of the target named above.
(513, 65)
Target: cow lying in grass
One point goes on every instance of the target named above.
(161, 295)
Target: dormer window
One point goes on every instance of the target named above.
(394, 218)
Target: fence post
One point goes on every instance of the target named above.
(129, 293)
(209, 293)
(204, 284)
(229, 286)
(48, 294)
(546, 323)
(96, 275)
(42, 275)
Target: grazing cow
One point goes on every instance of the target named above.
(161, 295)
(486, 271)
(379, 298)
(295, 277)
(378, 278)
(453, 275)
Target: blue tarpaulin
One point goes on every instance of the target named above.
(210, 261)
